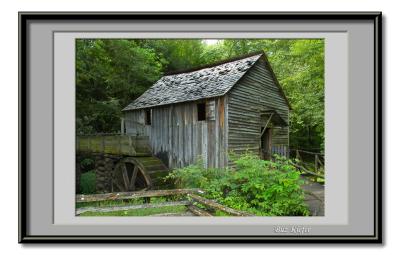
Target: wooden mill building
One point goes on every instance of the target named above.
(236, 105)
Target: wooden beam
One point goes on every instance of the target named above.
(122, 126)
(265, 128)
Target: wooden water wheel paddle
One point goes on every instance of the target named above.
(130, 175)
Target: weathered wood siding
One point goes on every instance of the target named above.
(254, 92)
(178, 138)
(135, 123)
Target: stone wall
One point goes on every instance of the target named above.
(104, 167)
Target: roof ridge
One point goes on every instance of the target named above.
(217, 63)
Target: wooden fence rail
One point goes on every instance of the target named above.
(215, 206)
(314, 164)
(193, 197)
(129, 207)
(133, 195)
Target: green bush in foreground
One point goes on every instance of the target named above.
(261, 187)
(88, 182)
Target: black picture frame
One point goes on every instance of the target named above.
(26, 17)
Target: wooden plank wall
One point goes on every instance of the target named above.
(134, 123)
(179, 139)
(256, 91)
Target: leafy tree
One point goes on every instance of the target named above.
(299, 66)
(109, 74)
(177, 54)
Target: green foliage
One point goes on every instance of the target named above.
(88, 182)
(177, 54)
(109, 75)
(300, 70)
(87, 164)
(261, 187)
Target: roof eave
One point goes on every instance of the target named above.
(159, 105)
(277, 82)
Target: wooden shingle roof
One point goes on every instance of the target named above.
(208, 82)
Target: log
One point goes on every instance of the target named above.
(307, 171)
(198, 211)
(134, 195)
(130, 207)
(214, 205)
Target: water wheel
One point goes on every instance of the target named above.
(138, 173)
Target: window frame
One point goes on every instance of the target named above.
(148, 113)
(204, 103)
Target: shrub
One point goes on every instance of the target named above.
(270, 188)
(88, 182)
(87, 163)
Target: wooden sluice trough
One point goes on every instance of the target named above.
(133, 166)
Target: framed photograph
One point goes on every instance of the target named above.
(200, 127)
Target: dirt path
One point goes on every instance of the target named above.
(315, 197)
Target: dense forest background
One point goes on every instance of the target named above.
(111, 73)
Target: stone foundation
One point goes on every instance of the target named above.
(104, 167)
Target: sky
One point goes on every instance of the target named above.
(211, 41)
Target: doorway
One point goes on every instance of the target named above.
(266, 144)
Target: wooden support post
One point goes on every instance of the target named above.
(262, 132)
(316, 167)
(122, 126)
(265, 127)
